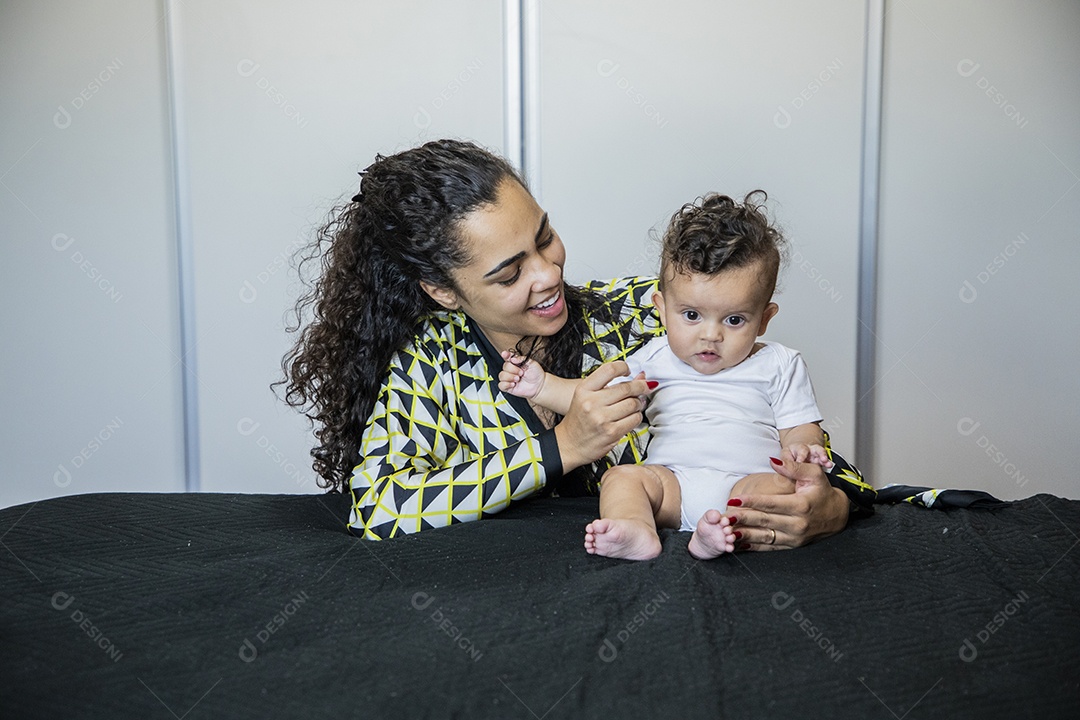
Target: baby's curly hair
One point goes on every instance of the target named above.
(716, 233)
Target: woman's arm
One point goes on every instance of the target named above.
(417, 473)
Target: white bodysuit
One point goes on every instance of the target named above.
(713, 430)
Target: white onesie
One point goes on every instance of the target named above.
(713, 430)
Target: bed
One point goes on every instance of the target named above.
(214, 605)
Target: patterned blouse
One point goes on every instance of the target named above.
(443, 445)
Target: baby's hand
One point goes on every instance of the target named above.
(801, 452)
(521, 377)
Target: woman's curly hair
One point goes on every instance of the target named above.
(716, 232)
(403, 227)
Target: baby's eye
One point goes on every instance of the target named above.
(735, 320)
(691, 315)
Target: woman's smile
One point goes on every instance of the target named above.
(552, 307)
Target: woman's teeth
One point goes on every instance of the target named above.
(547, 304)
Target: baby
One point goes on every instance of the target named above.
(727, 405)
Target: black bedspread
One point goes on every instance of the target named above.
(235, 606)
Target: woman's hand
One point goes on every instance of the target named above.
(599, 415)
(780, 522)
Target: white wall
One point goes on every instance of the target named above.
(979, 247)
(643, 107)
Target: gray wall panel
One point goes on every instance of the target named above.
(87, 274)
(980, 210)
(285, 105)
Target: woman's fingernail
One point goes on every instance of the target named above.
(776, 462)
(652, 384)
(743, 546)
(732, 519)
(735, 502)
(737, 534)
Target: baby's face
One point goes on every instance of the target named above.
(713, 321)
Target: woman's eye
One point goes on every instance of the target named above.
(512, 280)
(735, 321)
(691, 315)
(547, 240)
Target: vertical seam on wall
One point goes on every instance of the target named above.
(530, 82)
(870, 186)
(184, 251)
(513, 130)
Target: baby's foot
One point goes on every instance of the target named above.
(627, 539)
(712, 537)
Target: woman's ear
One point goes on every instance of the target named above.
(446, 297)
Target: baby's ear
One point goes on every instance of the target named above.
(658, 302)
(770, 312)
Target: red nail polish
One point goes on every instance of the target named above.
(737, 534)
(776, 462)
(652, 384)
(744, 546)
(732, 519)
(735, 502)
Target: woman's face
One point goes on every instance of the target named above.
(512, 286)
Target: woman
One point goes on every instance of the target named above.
(441, 261)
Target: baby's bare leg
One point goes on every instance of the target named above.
(763, 484)
(714, 534)
(634, 500)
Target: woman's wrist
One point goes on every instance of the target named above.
(568, 450)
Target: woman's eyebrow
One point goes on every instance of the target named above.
(515, 258)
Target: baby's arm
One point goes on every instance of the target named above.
(805, 443)
(527, 379)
